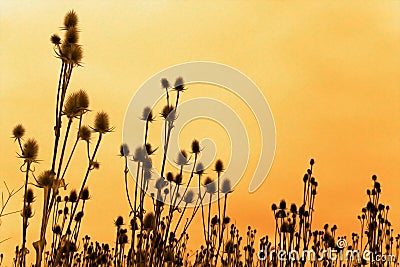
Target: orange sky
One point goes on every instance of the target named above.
(329, 70)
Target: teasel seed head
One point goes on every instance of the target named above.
(149, 221)
(73, 196)
(219, 166)
(182, 158)
(178, 179)
(85, 133)
(200, 168)
(147, 115)
(189, 197)
(30, 150)
(72, 35)
(165, 84)
(124, 150)
(210, 185)
(18, 131)
(282, 204)
(170, 177)
(102, 123)
(226, 187)
(46, 178)
(30, 196)
(27, 212)
(195, 146)
(179, 84)
(85, 194)
(119, 221)
(55, 39)
(70, 19)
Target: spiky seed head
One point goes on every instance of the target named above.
(229, 247)
(46, 178)
(200, 168)
(189, 197)
(210, 185)
(18, 131)
(124, 150)
(166, 110)
(30, 150)
(96, 165)
(179, 84)
(55, 39)
(73, 196)
(72, 35)
(71, 106)
(293, 208)
(226, 186)
(182, 158)
(178, 179)
(149, 149)
(57, 229)
(282, 204)
(165, 83)
(161, 183)
(76, 54)
(119, 221)
(27, 212)
(79, 216)
(102, 123)
(139, 155)
(85, 194)
(195, 146)
(149, 221)
(85, 133)
(83, 99)
(219, 166)
(170, 177)
(147, 114)
(70, 19)
(30, 196)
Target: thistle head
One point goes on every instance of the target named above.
(85, 133)
(170, 177)
(102, 123)
(30, 150)
(178, 179)
(18, 131)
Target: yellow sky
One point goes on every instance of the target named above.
(329, 70)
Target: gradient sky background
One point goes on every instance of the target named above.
(329, 70)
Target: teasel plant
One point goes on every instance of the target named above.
(70, 110)
(170, 222)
